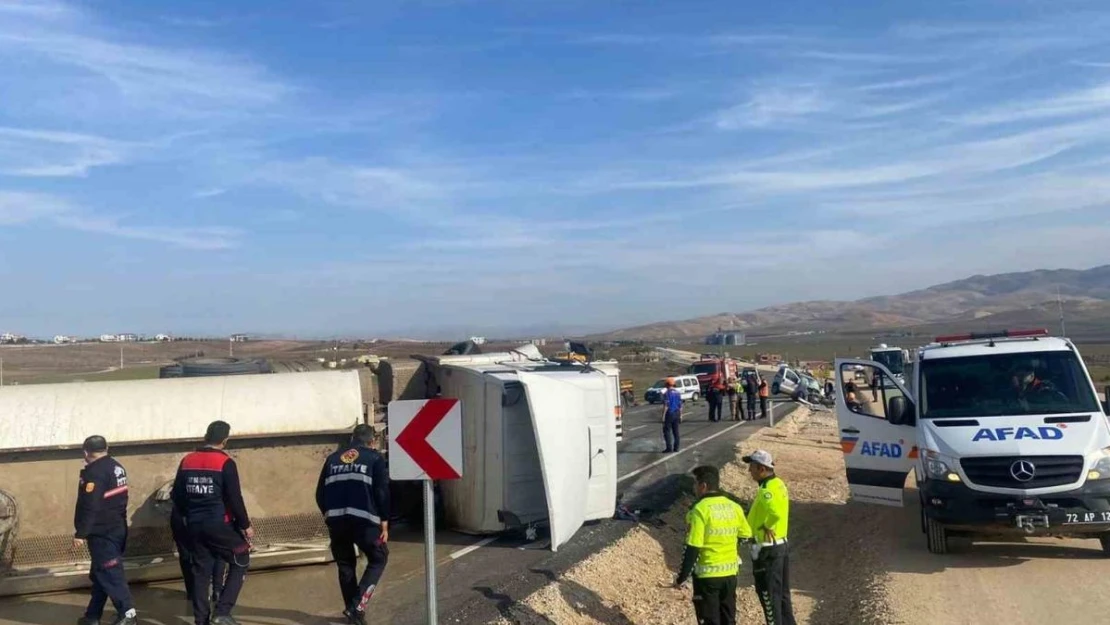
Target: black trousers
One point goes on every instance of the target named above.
(185, 560)
(209, 542)
(715, 600)
(751, 406)
(346, 533)
(763, 406)
(106, 574)
(772, 585)
(714, 399)
(670, 429)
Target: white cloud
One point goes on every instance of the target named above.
(180, 82)
(41, 153)
(18, 208)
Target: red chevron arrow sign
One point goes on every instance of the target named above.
(425, 439)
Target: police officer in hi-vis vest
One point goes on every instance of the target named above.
(769, 521)
(716, 525)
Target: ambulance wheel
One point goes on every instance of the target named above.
(695, 397)
(1104, 540)
(936, 537)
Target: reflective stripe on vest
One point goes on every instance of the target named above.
(355, 512)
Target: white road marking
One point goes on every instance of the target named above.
(672, 456)
(539, 544)
(638, 427)
(475, 547)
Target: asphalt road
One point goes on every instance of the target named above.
(478, 578)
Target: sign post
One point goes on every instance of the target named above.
(426, 444)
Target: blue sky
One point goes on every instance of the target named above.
(454, 166)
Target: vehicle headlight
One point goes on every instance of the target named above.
(1100, 470)
(937, 467)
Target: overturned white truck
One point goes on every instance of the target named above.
(539, 449)
(539, 442)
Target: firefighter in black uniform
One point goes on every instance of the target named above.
(353, 496)
(100, 522)
(206, 491)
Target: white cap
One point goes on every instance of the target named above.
(760, 457)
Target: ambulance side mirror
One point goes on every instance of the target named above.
(899, 411)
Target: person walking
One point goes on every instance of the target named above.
(764, 395)
(353, 495)
(100, 523)
(715, 526)
(206, 490)
(733, 394)
(769, 519)
(672, 416)
(180, 534)
(751, 391)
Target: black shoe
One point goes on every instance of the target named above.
(666, 451)
(355, 617)
(84, 620)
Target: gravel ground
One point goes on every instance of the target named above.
(830, 559)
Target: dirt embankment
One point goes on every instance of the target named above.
(832, 560)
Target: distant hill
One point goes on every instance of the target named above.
(1006, 299)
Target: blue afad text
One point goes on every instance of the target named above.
(883, 450)
(1017, 434)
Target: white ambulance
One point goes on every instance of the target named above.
(1004, 433)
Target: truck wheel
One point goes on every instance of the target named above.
(1104, 540)
(921, 498)
(936, 537)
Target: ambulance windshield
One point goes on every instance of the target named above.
(1005, 385)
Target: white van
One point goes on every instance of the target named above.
(1004, 433)
(686, 385)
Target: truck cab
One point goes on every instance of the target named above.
(1004, 433)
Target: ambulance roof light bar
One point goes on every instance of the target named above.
(979, 336)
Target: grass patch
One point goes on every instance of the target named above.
(139, 372)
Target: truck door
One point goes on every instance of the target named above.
(878, 454)
(558, 407)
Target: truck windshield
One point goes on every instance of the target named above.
(704, 367)
(891, 359)
(1004, 385)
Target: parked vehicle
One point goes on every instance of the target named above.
(1004, 434)
(711, 368)
(686, 385)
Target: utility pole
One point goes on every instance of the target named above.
(121, 356)
(1060, 305)
(231, 347)
(1, 372)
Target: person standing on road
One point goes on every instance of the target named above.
(715, 394)
(100, 523)
(751, 390)
(672, 416)
(715, 526)
(180, 534)
(764, 395)
(769, 521)
(207, 492)
(353, 496)
(733, 394)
